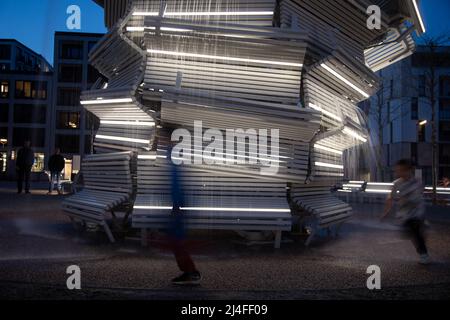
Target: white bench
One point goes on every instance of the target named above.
(212, 201)
(318, 208)
(108, 185)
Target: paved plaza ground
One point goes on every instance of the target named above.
(37, 243)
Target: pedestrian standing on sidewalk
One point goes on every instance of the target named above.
(407, 196)
(24, 163)
(56, 165)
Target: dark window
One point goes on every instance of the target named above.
(68, 120)
(422, 85)
(93, 74)
(70, 73)
(4, 112)
(31, 90)
(71, 50)
(68, 143)
(427, 59)
(69, 96)
(444, 109)
(36, 136)
(28, 113)
(444, 130)
(414, 153)
(415, 109)
(444, 153)
(4, 89)
(5, 52)
(421, 133)
(3, 133)
(444, 85)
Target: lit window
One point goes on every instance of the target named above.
(31, 90)
(38, 162)
(4, 89)
(3, 161)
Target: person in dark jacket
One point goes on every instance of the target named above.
(56, 165)
(24, 163)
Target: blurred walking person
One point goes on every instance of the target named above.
(177, 232)
(24, 163)
(407, 196)
(56, 165)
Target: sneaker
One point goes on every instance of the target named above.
(188, 278)
(424, 259)
(50, 192)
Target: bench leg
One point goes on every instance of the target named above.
(144, 237)
(278, 235)
(311, 236)
(108, 232)
(338, 228)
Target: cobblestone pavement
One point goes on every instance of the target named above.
(37, 243)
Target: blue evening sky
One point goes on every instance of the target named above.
(34, 22)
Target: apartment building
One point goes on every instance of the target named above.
(25, 106)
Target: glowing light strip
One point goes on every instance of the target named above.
(380, 184)
(328, 165)
(147, 156)
(337, 75)
(141, 29)
(331, 115)
(215, 209)
(105, 101)
(153, 207)
(205, 13)
(114, 138)
(377, 191)
(352, 133)
(207, 56)
(320, 147)
(438, 189)
(129, 123)
(361, 182)
(351, 185)
(416, 7)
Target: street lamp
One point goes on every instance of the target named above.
(3, 142)
(423, 122)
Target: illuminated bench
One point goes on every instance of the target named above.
(108, 186)
(318, 208)
(212, 201)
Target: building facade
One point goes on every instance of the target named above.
(72, 125)
(25, 105)
(400, 114)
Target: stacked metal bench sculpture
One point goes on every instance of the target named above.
(290, 72)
